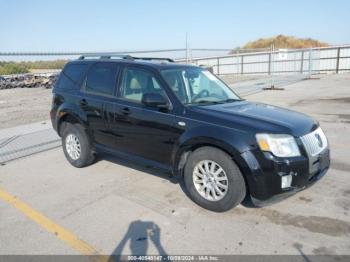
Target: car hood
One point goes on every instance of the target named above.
(259, 117)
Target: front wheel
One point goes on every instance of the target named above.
(213, 180)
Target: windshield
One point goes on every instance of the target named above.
(198, 86)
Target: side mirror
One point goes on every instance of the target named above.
(154, 100)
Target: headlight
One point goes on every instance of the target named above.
(279, 145)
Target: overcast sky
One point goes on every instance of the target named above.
(83, 25)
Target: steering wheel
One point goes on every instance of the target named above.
(201, 94)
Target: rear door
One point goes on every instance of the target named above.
(67, 87)
(99, 95)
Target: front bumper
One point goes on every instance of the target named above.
(287, 193)
(265, 171)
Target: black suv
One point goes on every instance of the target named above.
(184, 119)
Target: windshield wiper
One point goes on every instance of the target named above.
(230, 100)
(202, 102)
(206, 101)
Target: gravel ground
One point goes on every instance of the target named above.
(29, 105)
(24, 106)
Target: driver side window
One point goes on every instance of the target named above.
(137, 82)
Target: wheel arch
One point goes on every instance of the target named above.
(69, 116)
(191, 145)
(231, 141)
(185, 150)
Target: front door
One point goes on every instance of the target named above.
(147, 132)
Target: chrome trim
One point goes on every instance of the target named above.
(315, 142)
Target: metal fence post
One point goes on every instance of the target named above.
(302, 62)
(269, 66)
(218, 65)
(242, 65)
(310, 62)
(338, 56)
(272, 53)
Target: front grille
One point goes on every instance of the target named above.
(315, 142)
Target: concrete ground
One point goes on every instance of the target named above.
(114, 206)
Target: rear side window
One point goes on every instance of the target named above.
(72, 76)
(102, 78)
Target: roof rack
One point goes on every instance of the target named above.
(129, 57)
(154, 58)
(105, 56)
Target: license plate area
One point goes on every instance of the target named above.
(323, 160)
(319, 163)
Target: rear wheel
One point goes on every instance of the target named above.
(77, 145)
(213, 180)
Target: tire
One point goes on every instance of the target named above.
(86, 155)
(235, 185)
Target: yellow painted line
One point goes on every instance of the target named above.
(60, 232)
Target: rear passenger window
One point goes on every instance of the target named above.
(102, 78)
(72, 76)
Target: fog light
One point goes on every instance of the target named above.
(286, 181)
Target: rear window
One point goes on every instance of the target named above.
(72, 76)
(102, 78)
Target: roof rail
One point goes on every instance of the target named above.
(105, 56)
(154, 58)
(110, 56)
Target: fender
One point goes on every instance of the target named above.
(70, 110)
(232, 141)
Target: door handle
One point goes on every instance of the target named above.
(125, 111)
(83, 102)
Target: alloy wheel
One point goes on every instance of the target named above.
(210, 180)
